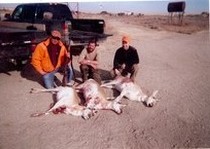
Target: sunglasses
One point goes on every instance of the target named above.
(124, 42)
(57, 38)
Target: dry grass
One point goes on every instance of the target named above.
(191, 23)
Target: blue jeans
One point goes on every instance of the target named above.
(48, 78)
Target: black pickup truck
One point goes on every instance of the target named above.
(31, 23)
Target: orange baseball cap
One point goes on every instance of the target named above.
(56, 33)
(125, 39)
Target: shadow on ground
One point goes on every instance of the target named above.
(6, 67)
(28, 72)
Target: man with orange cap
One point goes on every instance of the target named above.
(126, 60)
(49, 57)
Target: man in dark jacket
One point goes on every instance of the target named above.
(126, 60)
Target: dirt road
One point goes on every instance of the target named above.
(178, 65)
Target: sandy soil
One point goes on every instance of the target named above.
(176, 64)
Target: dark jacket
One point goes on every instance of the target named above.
(129, 57)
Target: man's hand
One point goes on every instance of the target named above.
(93, 64)
(43, 73)
(68, 55)
(117, 72)
(123, 66)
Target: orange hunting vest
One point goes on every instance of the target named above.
(41, 59)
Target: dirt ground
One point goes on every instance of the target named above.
(177, 64)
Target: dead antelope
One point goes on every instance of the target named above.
(131, 90)
(67, 101)
(95, 97)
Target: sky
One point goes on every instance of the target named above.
(116, 6)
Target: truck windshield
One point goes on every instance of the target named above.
(24, 13)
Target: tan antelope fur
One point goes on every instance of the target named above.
(67, 102)
(131, 91)
(95, 97)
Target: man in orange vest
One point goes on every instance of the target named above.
(49, 57)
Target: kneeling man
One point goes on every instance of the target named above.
(126, 60)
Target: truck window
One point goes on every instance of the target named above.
(41, 9)
(17, 14)
(60, 12)
(63, 12)
(24, 13)
(29, 13)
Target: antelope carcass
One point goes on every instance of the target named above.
(95, 97)
(131, 91)
(67, 101)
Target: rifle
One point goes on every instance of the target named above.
(66, 65)
(65, 73)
